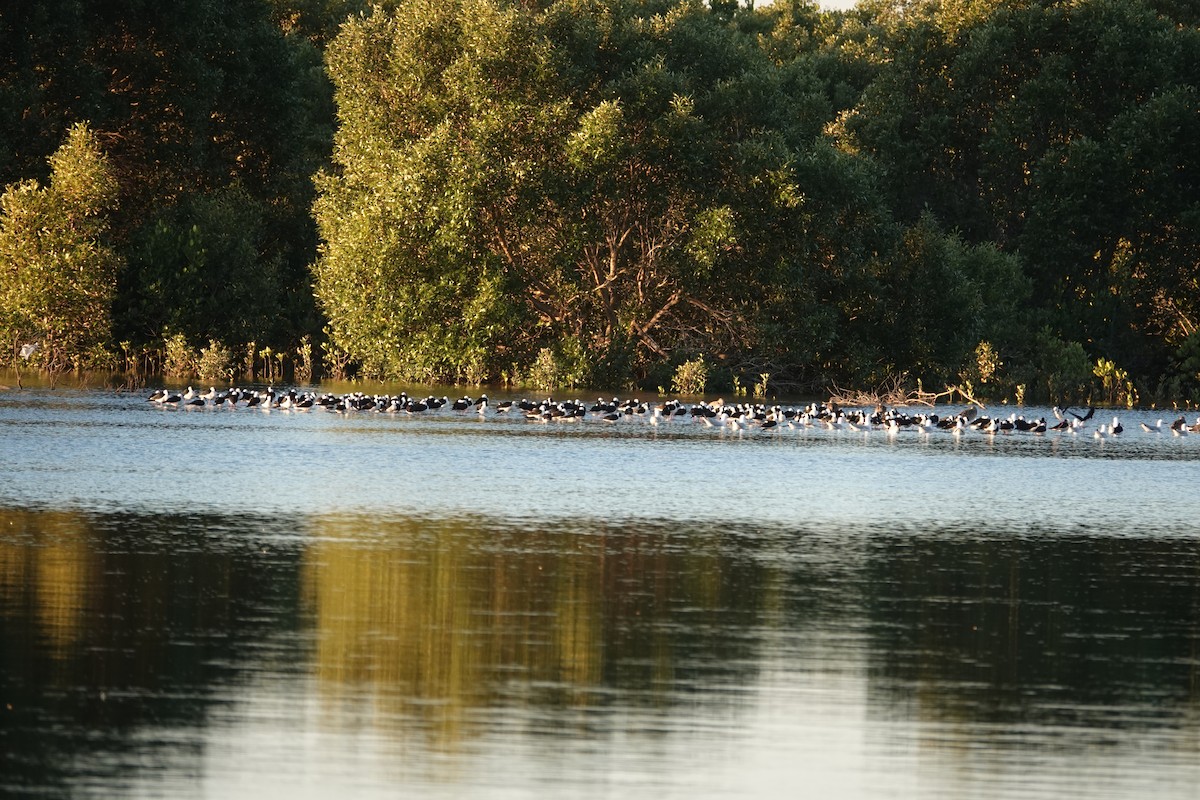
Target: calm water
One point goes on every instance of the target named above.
(268, 604)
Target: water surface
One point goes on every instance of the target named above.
(266, 604)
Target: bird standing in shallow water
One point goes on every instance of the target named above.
(742, 417)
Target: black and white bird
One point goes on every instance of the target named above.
(1091, 410)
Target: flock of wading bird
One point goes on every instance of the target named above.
(712, 414)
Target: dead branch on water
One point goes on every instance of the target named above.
(894, 393)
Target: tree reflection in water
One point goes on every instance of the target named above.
(439, 618)
(134, 645)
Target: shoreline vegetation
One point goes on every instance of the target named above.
(892, 396)
(910, 202)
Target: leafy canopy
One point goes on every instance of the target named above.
(57, 272)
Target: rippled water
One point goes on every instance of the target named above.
(266, 604)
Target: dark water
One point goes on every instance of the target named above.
(276, 604)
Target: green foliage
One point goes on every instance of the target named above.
(987, 361)
(927, 303)
(1181, 381)
(1117, 388)
(408, 286)
(250, 360)
(575, 367)
(187, 99)
(304, 363)
(215, 362)
(197, 269)
(337, 362)
(691, 376)
(1066, 134)
(1063, 366)
(597, 142)
(543, 372)
(640, 185)
(179, 360)
(714, 235)
(564, 366)
(584, 191)
(318, 20)
(1187, 358)
(57, 271)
